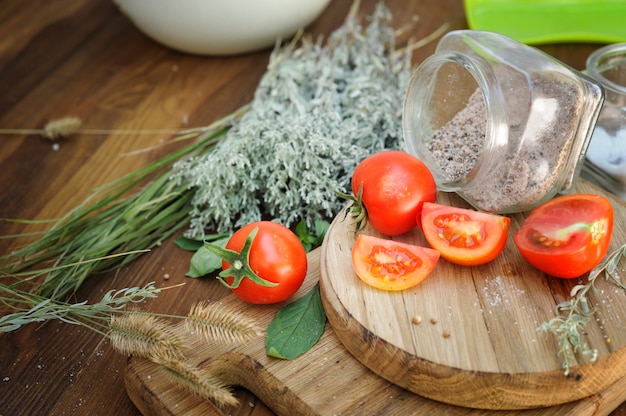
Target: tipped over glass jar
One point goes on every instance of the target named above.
(501, 123)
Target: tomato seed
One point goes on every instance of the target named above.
(433, 321)
(446, 334)
(542, 240)
(416, 319)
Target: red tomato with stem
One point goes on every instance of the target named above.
(393, 186)
(391, 265)
(263, 262)
(464, 236)
(567, 236)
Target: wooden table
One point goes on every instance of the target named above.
(84, 58)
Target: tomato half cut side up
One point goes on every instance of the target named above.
(464, 236)
(391, 265)
(567, 236)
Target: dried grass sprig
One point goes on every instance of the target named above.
(144, 335)
(29, 307)
(197, 380)
(162, 343)
(215, 323)
(573, 315)
(71, 125)
(62, 127)
(358, 81)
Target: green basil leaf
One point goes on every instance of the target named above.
(204, 262)
(296, 327)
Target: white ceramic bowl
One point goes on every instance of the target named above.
(220, 27)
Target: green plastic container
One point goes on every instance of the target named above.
(550, 21)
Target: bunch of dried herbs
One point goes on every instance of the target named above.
(319, 109)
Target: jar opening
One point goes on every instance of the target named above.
(607, 65)
(607, 150)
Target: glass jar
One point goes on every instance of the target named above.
(501, 123)
(607, 149)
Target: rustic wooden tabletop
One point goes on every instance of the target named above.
(85, 58)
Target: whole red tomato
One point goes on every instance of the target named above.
(567, 236)
(394, 185)
(275, 255)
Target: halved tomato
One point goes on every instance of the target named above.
(391, 265)
(567, 236)
(464, 236)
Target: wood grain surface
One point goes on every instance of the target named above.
(493, 357)
(84, 58)
(327, 380)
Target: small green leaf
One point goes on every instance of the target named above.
(296, 327)
(311, 239)
(191, 244)
(204, 262)
(188, 244)
(320, 230)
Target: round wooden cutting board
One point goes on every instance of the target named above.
(477, 343)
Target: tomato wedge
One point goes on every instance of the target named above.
(390, 265)
(567, 236)
(464, 236)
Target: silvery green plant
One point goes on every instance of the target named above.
(320, 108)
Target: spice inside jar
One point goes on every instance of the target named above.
(500, 123)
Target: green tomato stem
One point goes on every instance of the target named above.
(239, 264)
(357, 209)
